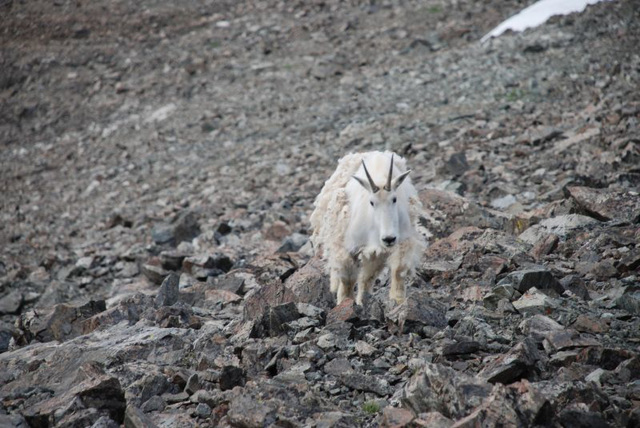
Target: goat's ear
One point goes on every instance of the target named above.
(362, 182)
(399, 179)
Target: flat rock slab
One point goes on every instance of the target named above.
(538, 326)
(539, 278)
(92, 387)
(587, 324)
(464, 347)
(605, 204)
(362, 382)
(433, 420)
(338, 367)
(520, 404)
(62, 323)
(534, 301)
(562, 340)
(461, 212)
(249, 412)
(561, 226)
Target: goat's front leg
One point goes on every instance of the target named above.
(398, 286)
(334, 281)
(345, 290)
(369, 270)
(341, 285)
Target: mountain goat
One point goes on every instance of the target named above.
(365, 217)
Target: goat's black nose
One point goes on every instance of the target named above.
(389, 240)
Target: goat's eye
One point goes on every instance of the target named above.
(371, 202)
(394, 199)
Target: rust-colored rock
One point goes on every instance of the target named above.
(310, 284)
(347, 311)
(393, 417)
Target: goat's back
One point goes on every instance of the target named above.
(330, 216)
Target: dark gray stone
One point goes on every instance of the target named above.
(186, 227)
(104, 422)
(419, 310)
(575, 417)
(460, 348)
(172, 259)
(293, 243)
(338, 367)
(457, 164)
(630, 299)
(539, 278)
(228, 282)
(11, 302)
(154, 404)
(169, 292)
(274, 320)
(18, 421)
(519, 362)
(163, 234)
(576, 285)
(135, 418)
(203, 410)
(193, 384)
(230, 377)
(151, 385)
(154, 273)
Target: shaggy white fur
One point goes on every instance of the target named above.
(360, 231)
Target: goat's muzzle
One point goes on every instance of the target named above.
(389, 241)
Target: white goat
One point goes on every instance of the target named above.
(365, 217)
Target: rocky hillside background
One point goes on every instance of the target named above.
(159, 161)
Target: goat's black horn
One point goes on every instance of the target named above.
(388, 186)
(374, 188)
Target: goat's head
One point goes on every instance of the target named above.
(384, 204)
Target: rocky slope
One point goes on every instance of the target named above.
(159, 163)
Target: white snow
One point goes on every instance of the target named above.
(537, 14)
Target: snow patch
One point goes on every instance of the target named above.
(537, 14)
